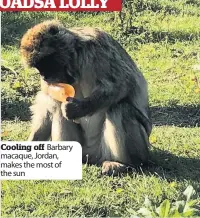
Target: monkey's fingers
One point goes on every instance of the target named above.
(69, 99)
(73, 100)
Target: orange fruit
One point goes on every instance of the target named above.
(59, 91)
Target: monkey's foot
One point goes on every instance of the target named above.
(112, 168)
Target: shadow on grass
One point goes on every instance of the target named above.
(16, 109)
(170, 166)
(181, 116)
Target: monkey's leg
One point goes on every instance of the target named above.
(65, 130)
(125, 141)
(114, 153)
(41, 120)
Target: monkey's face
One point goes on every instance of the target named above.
(44, 48)
(48, 47)
(54, 70)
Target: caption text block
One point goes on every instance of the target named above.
(40, 161)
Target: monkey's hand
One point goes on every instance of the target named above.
(99, 99)
(71, 109)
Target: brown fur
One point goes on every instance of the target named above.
(34, 37)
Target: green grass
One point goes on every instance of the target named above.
(168, 176)
(165, 45)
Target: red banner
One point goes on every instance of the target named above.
(60, 5)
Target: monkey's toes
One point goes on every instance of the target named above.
(112, 168)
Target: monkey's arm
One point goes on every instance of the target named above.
(102, 97)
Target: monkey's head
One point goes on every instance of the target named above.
(50, 48)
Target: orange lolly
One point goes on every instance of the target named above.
(61, 91)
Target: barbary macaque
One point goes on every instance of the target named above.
(109, 114)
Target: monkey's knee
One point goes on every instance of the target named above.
(65, 130)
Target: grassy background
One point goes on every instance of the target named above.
(163, 38)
